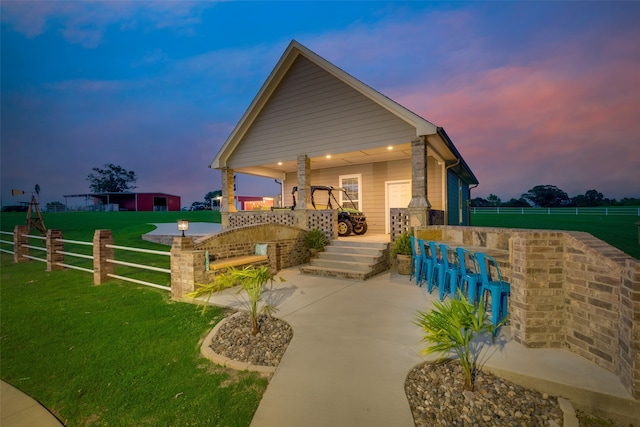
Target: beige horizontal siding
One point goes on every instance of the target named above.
(314, 113)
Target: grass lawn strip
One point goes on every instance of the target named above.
(115, 354)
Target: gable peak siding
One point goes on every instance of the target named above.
(314, 113)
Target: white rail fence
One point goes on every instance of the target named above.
(21, 248)
(74, 254)
(141, 266)
(600, 210)
(6, 242)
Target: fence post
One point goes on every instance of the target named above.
(53, 246)
(102, 268)
(20, 242)
(182, 267)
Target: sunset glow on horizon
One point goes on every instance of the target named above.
(530, 93)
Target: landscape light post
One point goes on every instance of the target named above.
(183, 225)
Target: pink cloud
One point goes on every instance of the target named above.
(552, 121)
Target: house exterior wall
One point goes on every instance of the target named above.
(374, 176)
(453, 198)
(314, 113)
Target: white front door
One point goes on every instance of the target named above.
(397, 195)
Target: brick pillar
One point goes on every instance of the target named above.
(537, 300)
(20, 249)
(419, 205)
(228, 193)
(629, 326)
(182, 267)
(101, 268)
(53, 246)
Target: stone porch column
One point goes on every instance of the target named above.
(419, 205)
(227, 204)
(228, 193)
(303, 198)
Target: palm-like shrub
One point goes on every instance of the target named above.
(253, 281)
(450, 327)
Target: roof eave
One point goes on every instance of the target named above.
(463, 164)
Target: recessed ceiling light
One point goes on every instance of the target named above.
(279, 163)
(390, 148)
(328, 156)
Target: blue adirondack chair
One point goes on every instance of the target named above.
(498, 290)
(470, 279)
(416, 261)
(426, 272)
(451, 267)
(438, 267)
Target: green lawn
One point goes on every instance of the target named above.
(620, 231)
(115, 354)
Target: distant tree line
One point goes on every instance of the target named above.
(550, 196)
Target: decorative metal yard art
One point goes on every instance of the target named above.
(34, 217)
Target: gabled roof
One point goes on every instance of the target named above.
(295, 49)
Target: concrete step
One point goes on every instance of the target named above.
(342, 265)
(373, 250)
(349, 259)
(336, 272)
(356, 244)
(348, 256)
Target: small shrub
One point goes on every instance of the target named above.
(253, 281)
(451, 326)
(315, 239)
(402, 245)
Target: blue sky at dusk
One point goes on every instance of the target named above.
(530, 92)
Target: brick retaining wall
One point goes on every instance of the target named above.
(285, 248)
(569, 289)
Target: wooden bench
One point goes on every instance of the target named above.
(237, 262)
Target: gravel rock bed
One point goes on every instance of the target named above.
(437, 398)
(235, 340)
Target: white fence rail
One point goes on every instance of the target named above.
(67, 253)
(145, 267)
(75, 254)
(600, 210)
(6, 242)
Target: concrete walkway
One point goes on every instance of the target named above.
(19, 410)
(354, 343)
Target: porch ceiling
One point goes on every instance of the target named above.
(332, 160)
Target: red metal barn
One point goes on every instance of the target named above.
(144, 202)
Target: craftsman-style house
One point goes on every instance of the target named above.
(311, 123)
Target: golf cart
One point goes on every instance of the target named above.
(350, 219)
